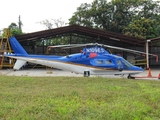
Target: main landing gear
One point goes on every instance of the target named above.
(130, 77)
(86, 74)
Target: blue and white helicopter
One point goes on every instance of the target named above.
(93, 60)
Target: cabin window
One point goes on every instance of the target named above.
(118, 62)
(108, 62)
(99, 62)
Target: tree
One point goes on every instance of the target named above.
(116, 15)
(15, 29)
(83, 16)
(49, 24)
(112, 16)
(146, 23)
(143, 28)
(13, 26)
(20, 23)
(0, 34)
(148, 9)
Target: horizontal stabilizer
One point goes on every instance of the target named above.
(19, 64)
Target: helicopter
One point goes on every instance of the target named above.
(92, 60)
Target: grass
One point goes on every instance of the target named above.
(78, 98)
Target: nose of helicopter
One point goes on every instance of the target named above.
(136, 68)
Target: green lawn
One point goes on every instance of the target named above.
(78, 98)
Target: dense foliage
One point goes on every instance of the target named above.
(138, 18)
(15, 30)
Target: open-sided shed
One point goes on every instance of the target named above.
(100, 36)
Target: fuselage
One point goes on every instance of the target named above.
(96, 64)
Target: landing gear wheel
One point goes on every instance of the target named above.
(86, 74)
(130, 77)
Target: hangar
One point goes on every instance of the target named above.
(75, 35)
(78, 34)
(100, 36)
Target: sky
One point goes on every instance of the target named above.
(34, 11)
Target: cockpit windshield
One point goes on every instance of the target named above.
(126, 63)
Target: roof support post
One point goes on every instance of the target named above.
(147, 52)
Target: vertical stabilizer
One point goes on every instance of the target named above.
(18, 49)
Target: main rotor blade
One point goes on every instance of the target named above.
(70, 45)
(102, 45)
(79, 45)
(128, 50)
(58, 46)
